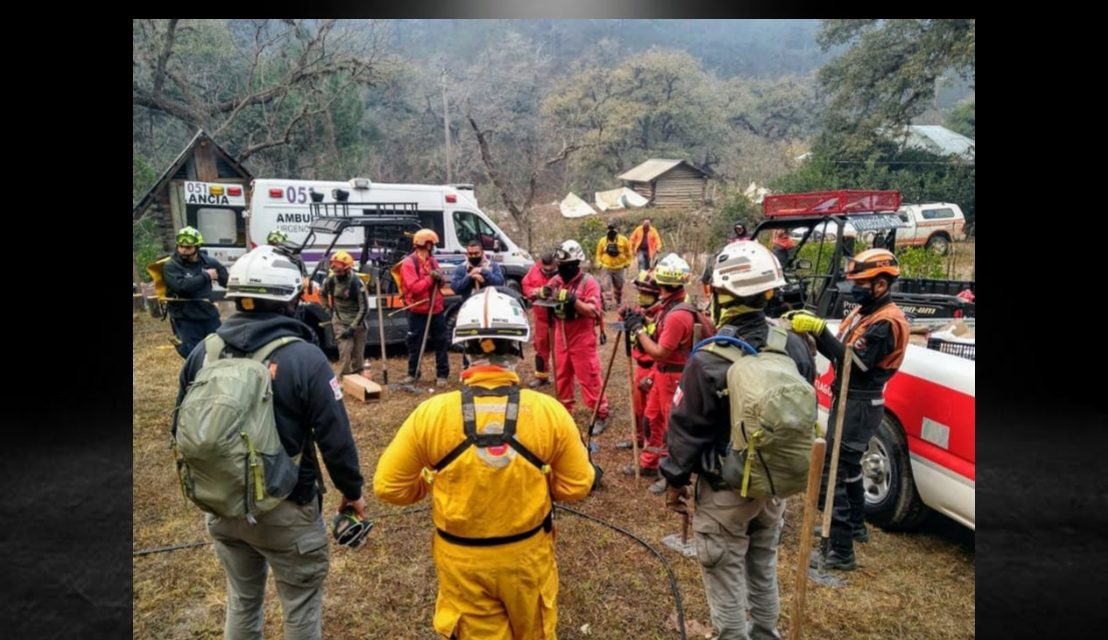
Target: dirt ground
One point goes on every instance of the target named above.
(909, 585)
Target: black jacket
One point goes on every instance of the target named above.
(700, 421)
(867, 381)
(306, 396)
(187, 280)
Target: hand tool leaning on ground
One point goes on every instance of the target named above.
(549, 306)
(426, 329)
(829, 496)
(603, 388)
(811, 498)
(381, 328)
(621, 328)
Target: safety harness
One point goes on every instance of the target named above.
(484, 441)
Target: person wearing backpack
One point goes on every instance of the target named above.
(253, 398)
(669, 350)
(737, 535)
(646, 242)
(494, 457)
(188, 275)
(577, 312)
(346, 299)
(878, 331)
(613, 254)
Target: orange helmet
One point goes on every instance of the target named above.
(423, 236)
(343, 259)
(871, 263)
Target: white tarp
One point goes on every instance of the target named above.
(574, 207)
(621, 198)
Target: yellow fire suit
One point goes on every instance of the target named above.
(504, 590)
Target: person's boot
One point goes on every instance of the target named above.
(834, 561)
(538, 382)
(658, 488)
(629, 470)
(599, 426)
(410, 379)
(626, 444)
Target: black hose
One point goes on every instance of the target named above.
(672, 578)
(669, 570)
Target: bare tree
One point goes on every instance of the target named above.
(261, 79)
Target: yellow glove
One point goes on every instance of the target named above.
(805, 321)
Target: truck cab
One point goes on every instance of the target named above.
(835, 222)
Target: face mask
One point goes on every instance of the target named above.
(647, 300)
(568, 271)
(611, 235)
(475, 260)
(861, 295)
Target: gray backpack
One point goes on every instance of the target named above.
(229, 455)
(773, 419)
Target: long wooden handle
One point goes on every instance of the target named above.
(811, 498)
(381, 330)
(837, 442)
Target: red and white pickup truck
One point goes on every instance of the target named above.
(923, 456)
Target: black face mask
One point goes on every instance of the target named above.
(861, 295)
(475, 260)
(611, 234)
(568, 271)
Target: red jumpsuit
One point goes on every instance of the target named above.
(535, 279)
(674, 332)
(575, 345)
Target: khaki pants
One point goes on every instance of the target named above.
(291, 539)
(351, 350)
(736, 543)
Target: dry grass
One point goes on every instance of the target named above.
(918, 585)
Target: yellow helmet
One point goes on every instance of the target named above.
(672, 271)
(342, 259)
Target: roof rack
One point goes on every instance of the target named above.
(828, 203)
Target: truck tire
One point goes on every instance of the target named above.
(939, 243)
(451, 321)
(514, 285)
(892, 501)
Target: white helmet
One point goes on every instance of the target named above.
(264, 274)
(569, 251)
(746, 268)
(491, 314)
(672, 271)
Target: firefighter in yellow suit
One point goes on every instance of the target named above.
(494, 457)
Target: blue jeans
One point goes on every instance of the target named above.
(192, 332)
(436, 341)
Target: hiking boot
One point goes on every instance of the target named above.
(861, 535)
(409, 380)
(441, 382)
(833, 562)
(626, 444)
(658, 488)
(599, 426)
(538, 382)
(629, 470)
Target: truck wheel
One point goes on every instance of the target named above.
(514, 285)
(892, 501)
(939, 243)
(451, 321)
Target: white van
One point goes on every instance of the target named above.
(451, 210)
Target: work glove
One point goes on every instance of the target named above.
(436, 275)
(346, 334)
(677, 499)
(633, 322)
(805, 321)
(567, 297)
(545, 292)
(603, 338)
(599, 474)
